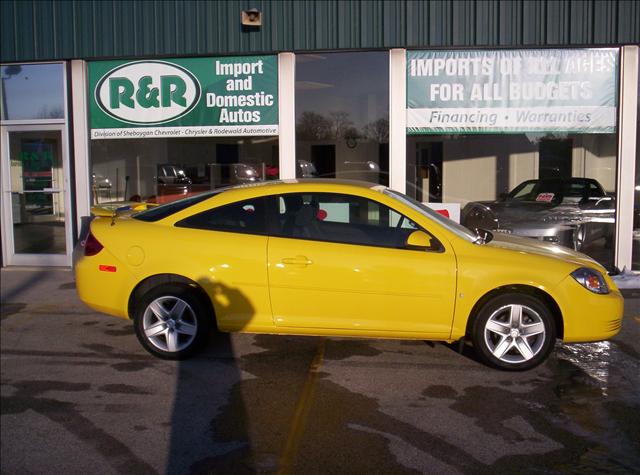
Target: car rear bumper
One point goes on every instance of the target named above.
(106, 291)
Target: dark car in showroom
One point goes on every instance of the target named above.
(572, 212)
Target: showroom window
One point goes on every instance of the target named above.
(162, 170)
(33, 91)
(522, 142)
(342, 116)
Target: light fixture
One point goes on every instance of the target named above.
(251, 17)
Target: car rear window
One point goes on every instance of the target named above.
(246, 217)
(161, 212)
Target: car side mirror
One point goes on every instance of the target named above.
(419, 240)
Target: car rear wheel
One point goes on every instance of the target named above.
(514, 332)
(172, 321)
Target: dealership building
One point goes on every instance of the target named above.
(521, 116)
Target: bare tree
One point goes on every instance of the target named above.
(341, 124)
(378, 130)
(313, 126)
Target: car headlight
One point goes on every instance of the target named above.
(591, 280)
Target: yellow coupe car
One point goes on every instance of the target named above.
(338, 258)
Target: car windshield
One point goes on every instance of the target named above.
(449, 224)
(551, 190)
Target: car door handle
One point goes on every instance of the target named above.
(298, 260)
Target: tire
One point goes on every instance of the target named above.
(514, 332)
(579, 237)
(172, 321)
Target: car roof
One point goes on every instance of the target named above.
(279, 186)
(302, 181)
(564, 180)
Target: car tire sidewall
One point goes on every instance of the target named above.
(500, 301)
(200, 310)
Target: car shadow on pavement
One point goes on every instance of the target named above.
(204, 385)
(465, 349)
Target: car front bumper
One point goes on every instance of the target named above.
(588, 316)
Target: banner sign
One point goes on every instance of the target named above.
(185, 97)
(512, 91)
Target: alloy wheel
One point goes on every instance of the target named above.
(514, 333)
(169, 323)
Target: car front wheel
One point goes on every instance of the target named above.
(172, 322)
(514, 332)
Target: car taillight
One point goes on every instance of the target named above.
(91, 245)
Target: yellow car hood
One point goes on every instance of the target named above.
(541, 248)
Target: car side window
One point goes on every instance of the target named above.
(342, 218)
(595, 191)
(248, 217)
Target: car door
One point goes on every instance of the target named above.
(340, 262)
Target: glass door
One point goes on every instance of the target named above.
(36, 212)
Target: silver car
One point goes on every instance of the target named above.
(572, 212)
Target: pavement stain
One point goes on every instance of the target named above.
(342, 349)
(123, 389)
(129, 367)
(29, 395)
(128, 331)
(12, 308)
(99, 348)
(567, 408)
(440, 391)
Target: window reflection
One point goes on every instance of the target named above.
(163, 170)
(558, 188)
(342, 116)
(32, 91)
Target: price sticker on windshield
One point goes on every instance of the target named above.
(545, 197)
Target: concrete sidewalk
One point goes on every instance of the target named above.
(22, 286)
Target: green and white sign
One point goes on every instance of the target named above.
(185, 97)
(512, 91)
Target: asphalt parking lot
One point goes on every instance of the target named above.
(79, 395)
